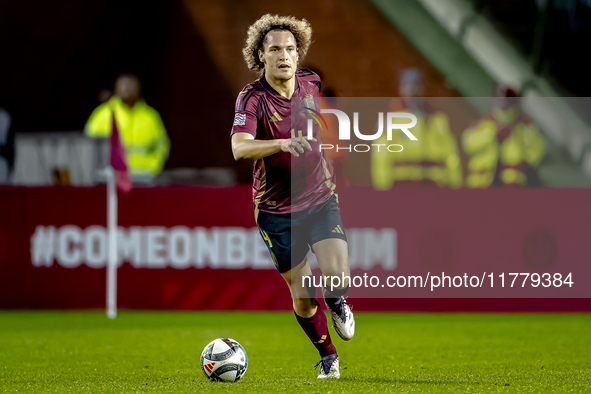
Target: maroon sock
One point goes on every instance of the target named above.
(317, 330)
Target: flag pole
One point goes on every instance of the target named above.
(112, 231)
(117, 178)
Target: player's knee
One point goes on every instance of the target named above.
(337, 281)
(335, 266)
(334, 271)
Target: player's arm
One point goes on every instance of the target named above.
(244, 146)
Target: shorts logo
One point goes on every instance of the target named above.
(239, 119)
(338, 229)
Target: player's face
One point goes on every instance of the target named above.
(280, 55)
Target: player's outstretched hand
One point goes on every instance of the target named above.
(297, 146)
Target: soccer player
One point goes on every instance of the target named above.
(294, 201)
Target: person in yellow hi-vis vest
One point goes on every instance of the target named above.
(504, 146)
(140, 126)
(432, 160)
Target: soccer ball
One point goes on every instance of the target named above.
(224, 360)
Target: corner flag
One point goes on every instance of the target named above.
(118, 158)
(117, 179)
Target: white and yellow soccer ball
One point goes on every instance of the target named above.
(224, 360)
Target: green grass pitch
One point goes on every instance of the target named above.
(149, 351)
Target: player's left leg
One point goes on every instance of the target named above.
(333, 260)
(312, 318)
(329, 243)
(288, 248)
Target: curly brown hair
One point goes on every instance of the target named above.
(257, 33)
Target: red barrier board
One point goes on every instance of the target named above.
(198, 248)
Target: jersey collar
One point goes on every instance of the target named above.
(276, 93)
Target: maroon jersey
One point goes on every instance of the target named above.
(284, 183)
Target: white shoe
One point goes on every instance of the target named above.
(329, 367)
(343, 320)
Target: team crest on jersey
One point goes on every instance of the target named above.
(239, 119)
(309, 102)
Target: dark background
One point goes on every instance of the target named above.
(56, 56)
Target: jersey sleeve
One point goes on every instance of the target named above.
(99, 122)
(245, 114)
